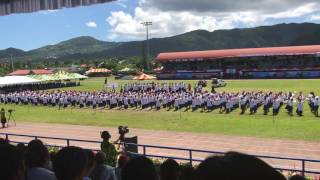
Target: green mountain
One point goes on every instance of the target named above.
(91, 49)
(7, 53)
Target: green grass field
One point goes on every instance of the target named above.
(281, 126)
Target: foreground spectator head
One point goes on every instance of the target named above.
(169, 170)
(3, 142)
(122, 161)
(100, 157)
(187, 173)
(21, 147)
(37, 154)
(70, 163)
(235, 165)
(297, 177)
(11, 163)
(139, 168)
(91, 162)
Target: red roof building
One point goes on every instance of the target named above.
(26, 72)
(233, 53)
(269, 62)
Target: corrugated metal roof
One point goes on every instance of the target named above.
(231, 53)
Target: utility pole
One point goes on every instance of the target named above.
(12, 65)
(147, 24)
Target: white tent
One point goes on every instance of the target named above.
(16, 80)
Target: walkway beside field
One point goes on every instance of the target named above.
(261, 146)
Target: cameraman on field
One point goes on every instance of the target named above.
(3, 117)
(121, 140)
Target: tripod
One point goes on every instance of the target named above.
(11, 118)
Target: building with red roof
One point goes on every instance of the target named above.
(269, 62)
(25, 72)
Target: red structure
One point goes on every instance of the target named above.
(26, 72)
(292, 62)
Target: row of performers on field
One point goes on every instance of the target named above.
(226, 102)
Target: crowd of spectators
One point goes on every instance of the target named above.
(34, 162)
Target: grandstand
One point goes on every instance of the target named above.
(258, 63)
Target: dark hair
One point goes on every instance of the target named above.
(105, 135)
(187, 173)
(235, 165)
(11, 163)
(3, 142)
(122, 161)
(70, 163)
(297, 177)
(91, 162)
(100, 157)
(169, 170)
(37, 154)
(21, 147)
(140, 168)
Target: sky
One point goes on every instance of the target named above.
(121, 20)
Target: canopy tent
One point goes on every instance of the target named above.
(58, 76)
(126, 70)
(99, 70)
(144, 76)
(43, 77)
(17, 80)
(77, 76)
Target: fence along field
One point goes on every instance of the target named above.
(258, 125)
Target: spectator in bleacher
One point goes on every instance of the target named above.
(11, 162)
(169, 170)
(109, 149)
(70, 163)
(90, 164)
(37, 161)
(122, 161)
(101, 170)
(235, 165)
(139, 168)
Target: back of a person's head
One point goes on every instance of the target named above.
(251, 167)
(187, 173)
(3, 142)
(11, 163)
(235, 165)
(37, 154)
(139, 168)
(297, 177)
(122, 161)
(100, 158)
(70, 163)
(169, 170)
(91, 161)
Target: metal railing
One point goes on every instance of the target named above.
(190, 158)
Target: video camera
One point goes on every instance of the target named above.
(10, 111)
(123, 130)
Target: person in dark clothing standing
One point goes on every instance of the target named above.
(3, 118)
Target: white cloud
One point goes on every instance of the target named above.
(315, 17)
(173, 22)
(48, 12)
(91, 24)
(297, 12)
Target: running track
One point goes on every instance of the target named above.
(250, 145)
